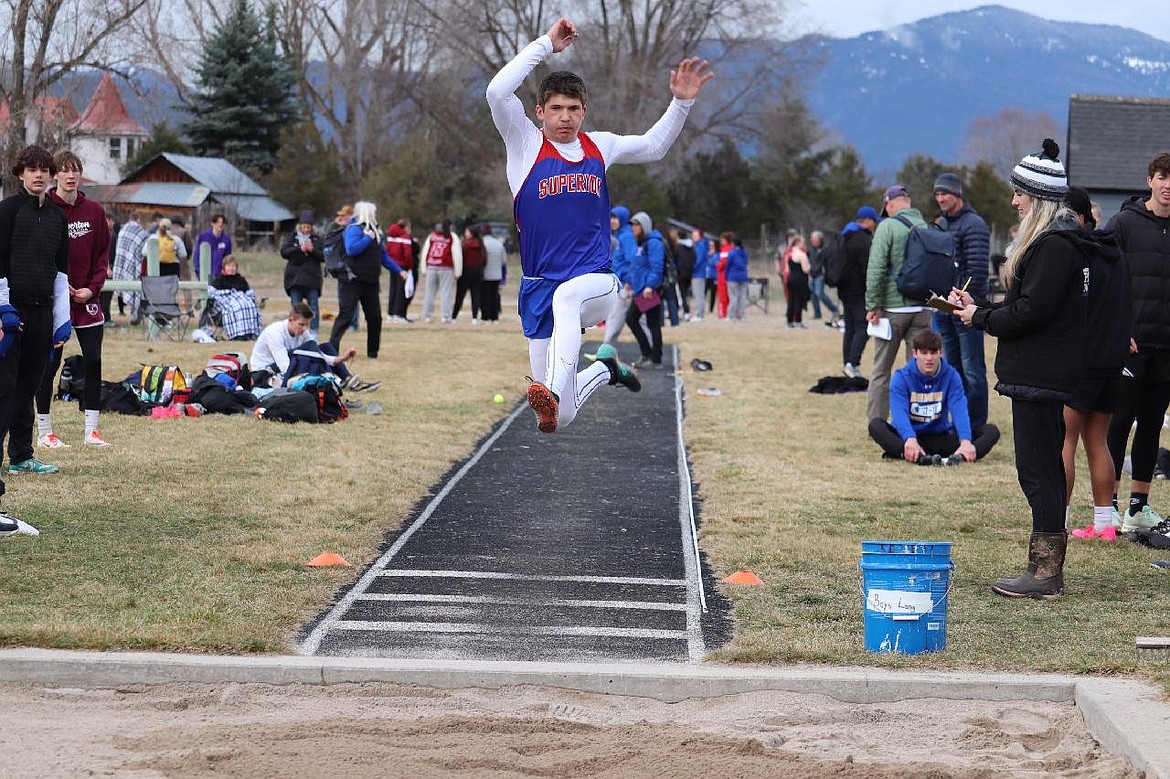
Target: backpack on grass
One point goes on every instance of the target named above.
(929, 264)
(287, 405)
(233, 364)
(160, 383)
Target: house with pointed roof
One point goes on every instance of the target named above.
(198, 188)
(1111, 141)
(105, 135)
(48, 121)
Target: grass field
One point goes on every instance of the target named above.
(192, 534)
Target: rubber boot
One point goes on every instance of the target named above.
(1045, 575)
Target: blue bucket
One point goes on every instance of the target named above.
(905, 587)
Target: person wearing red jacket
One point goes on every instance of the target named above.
(400, 249)
(89, 252)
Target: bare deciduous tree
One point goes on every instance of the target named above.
(1003, 139)
(49, 39)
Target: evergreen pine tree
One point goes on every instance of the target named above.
(244, 94)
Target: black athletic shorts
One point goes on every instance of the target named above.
(1096, 393)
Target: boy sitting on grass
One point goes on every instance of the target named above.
(928, 408)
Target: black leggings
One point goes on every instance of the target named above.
(90, 340)
(1144, 400)
(1039, 439)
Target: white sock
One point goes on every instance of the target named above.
(91, 420)
(1102, 517)
(44, 425)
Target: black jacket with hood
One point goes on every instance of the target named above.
(1144, 238)
(1041, 322)
(1109, 317)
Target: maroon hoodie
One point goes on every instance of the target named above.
(398, 246)
(89, 255)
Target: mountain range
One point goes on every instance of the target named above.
(910, 89)
(915, 88)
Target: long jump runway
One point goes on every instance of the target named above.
(572, 547)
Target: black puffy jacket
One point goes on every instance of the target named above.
(1145, 241)
(1041, 322)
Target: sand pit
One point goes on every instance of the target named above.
(376, 729)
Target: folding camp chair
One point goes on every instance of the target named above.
(160, 311)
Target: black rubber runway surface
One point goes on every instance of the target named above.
(569, 547)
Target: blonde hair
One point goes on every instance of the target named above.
(366, 214)
(1039, 218)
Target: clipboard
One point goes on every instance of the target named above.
(942, 304)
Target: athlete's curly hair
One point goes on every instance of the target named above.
(563, 82)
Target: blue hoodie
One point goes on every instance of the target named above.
(646, 268)
(700, 271)
(928, 405)
(626, 247)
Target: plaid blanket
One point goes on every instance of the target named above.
(239, 310)
(128, 261)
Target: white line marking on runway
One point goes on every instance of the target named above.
(695, 605)
(476, 599)
(696, 599)
(510, 630)
(313, 642)
(521, 577)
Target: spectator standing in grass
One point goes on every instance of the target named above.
(557, 175)
(644, 280)
(737, 279)
(128, 260)
(471, 279)
(963, 346)
(884, 301)
(34, 306)
(699, 275)
(89, 256)
(857, 238)
(367, 257)
(107, 296)
(304, 255)
(799, 269)
(496, 258)
(816, 276)
(1141, 229)
(1041, 330)
(1088, 411)
(219, 241)
(442, 264)
(398, 246)
(684, 263)
(623, 249)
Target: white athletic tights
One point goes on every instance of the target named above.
(577, 303)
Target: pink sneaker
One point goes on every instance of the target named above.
(93, 439)
(51, 441)
(1088, 531)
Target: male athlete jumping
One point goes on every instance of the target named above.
(561, 206)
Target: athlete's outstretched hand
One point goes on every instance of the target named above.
(689, 78)
(563, 33)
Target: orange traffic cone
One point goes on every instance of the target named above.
(743, 577)
(327, 559)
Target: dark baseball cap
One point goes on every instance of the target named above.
(895, 191)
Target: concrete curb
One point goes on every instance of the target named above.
(1128, 718)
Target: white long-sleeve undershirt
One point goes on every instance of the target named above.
(522, 138)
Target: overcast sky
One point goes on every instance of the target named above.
(848, 18)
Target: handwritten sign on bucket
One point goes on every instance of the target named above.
(898, 602)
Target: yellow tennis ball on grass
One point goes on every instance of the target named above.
(498, 398)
